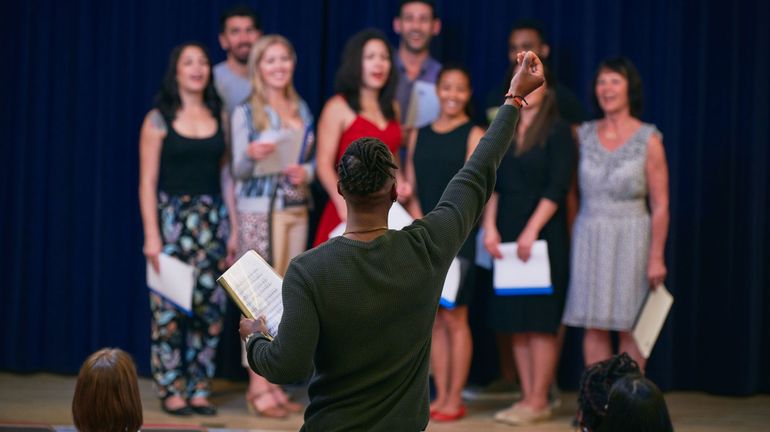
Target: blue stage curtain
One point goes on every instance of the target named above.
(80, 75)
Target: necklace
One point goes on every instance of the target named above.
(365, 231)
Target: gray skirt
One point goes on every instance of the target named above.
(608, 279)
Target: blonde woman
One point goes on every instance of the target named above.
(272, 199)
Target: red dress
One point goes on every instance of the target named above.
(360, 127)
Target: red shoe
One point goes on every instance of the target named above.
(447, 417)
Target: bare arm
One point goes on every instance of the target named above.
(227, 184)
(413, 205)
(656, 169)
(150, 144)
(473, 140)
(489, 223)
(543, 213)
(330, 127)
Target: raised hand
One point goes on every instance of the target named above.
(529, 76)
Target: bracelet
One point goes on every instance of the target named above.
(516, 98)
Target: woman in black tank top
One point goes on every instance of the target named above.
(436, 153)
(182, 150)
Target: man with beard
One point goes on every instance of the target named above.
(416, 24)
(239, 28)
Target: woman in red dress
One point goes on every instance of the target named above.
(363, 106)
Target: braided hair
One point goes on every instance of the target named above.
(595, 385)
(365, 167)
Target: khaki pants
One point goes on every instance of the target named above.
(289, 236)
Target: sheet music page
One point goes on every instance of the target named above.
(651, 319)
(288, 143)
(255, 287)
(174, 283)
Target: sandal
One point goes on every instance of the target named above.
(283, 400)
(256, 405)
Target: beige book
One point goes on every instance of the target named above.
(256, 289)
(651, 318)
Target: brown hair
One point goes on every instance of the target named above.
(546, 116)
(626, 68)
(107, 394)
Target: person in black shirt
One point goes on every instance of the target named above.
(528, 35)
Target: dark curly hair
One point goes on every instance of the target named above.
(636, 404)
(595, 385)
(365, 167)
(349, 79)
(626, 68)
(167, 99)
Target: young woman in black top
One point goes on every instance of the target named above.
(436, 153)
(182, 153)
(528, 205)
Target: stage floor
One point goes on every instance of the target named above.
(46, 398)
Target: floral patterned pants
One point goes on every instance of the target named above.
(194, 229)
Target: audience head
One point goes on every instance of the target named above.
(527, 35)
(239, 28)
(189, 71)
(367, 62)
(595, 385)
(618, 87)
(271, 68)
(416, 24)
(107, 394)
(454, 91)
(636, 404)
(367, 174)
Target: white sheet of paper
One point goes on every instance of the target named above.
(256, 288)
(651, 318)
(451, 285)
(513, 276)
(288, 144)
(424, 105)
(174, 283)
(398, 218)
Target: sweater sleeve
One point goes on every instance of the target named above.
(243, 166)
(289, 357)
(561, 162)
(450, 223)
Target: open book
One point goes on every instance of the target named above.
(256, 289)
